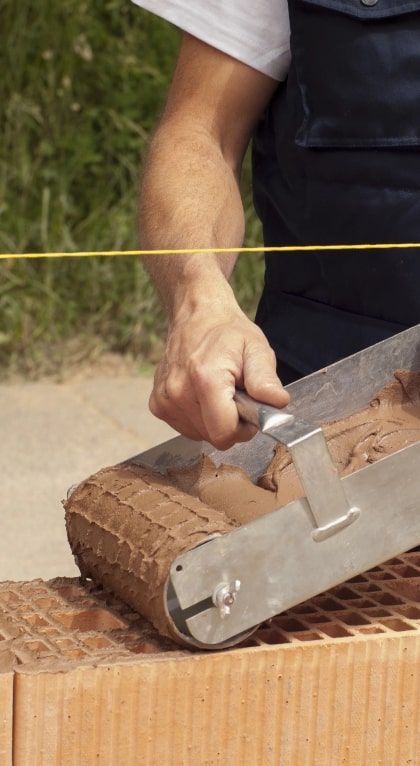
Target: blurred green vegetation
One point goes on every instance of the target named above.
(83, 84)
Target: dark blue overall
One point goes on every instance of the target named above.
(337, 161)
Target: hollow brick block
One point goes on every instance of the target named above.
(332, 682)
(6, 717)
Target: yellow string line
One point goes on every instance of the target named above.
(201, 250)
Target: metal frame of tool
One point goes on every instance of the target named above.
(222, 590)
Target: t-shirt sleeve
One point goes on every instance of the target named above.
(255, 33)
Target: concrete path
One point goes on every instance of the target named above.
(52, 436)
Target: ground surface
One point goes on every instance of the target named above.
(55, 434)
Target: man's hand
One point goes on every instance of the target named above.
(208, 355)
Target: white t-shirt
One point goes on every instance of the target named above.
(255, 33)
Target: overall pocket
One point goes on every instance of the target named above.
(357, 68)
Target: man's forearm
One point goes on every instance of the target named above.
(190, 199)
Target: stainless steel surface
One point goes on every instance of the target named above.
(324, 490)
(261, 415)
(280, 564)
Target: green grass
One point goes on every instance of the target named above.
(85, 84)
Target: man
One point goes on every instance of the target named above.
(336, 137)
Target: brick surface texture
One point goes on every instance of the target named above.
(84, 680)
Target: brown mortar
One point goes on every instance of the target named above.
(225, 487)
(126, 525)
(389, 423)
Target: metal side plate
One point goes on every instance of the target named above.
(269, 565)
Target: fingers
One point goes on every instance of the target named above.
(199, 406)
(171, 403)
(204, 363)
(218, 410)
(260, 378)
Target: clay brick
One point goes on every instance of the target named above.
(332, 682)
(353, 702)
(7, 662)
(6, 711)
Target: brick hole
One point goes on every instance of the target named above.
(288, 624)
(139, 625)
(395, 624)
(71, 592)
(270, 636)
(49, 631)
(9, 620)
(38, 647)
(101, 595)
(31, 591)
(97, 642)
(395, 560)
(381, 575)
(267, 624)
(126, 641)
(407, 589)
(370, 630)
(333, 630)
(413, 558)
(127, 637)
(352, 618)
(368, 588)
(249, 643)
(107, 599)
(47, 603)
(309, 635)
(89, 619)
(411, 612)
(73, 654)
(378, 612)
(388, 599)
(9, 597)
(357, 579)
(404, 570)
(328, 604)
(147, 648)
(361, 603)
(317, 618)
(63, 643)
(35, 620)
(343, 593)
